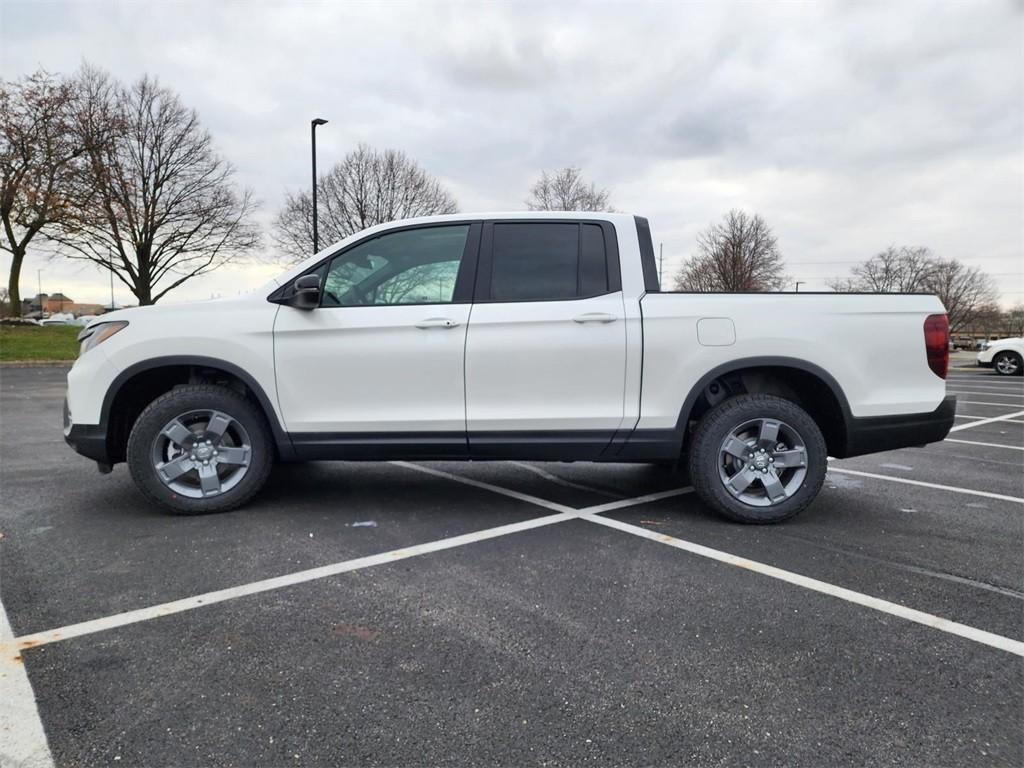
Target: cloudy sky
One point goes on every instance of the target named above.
(848, 126)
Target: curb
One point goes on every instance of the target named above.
(37, 364)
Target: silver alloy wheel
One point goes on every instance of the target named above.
(201, 453)
(1007, 364)
(762, 462)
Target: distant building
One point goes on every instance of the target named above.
(47, 304)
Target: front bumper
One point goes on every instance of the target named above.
(90, 440)
(887, 433)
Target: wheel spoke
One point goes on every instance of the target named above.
(775, 490)
(797, 457)
(737, 448)
(178, 433)
(233, 455)
(739, 482)
(175, 468)
(218, 424)
(209, 480)
(769, 434)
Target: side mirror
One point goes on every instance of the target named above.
(305, 293)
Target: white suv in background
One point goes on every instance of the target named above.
(1006, 356)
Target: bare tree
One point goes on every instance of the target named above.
(740, 254)
(163, 207)
(1015, 320)
(366, 188)
(41, 155)
(565, 190)
(965, 291)
(894, 270)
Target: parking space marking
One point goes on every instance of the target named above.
(552, 505)
(991, 420)
(923, 484)
(612, 505)
(562, 481)
(22, 738)
(894, 609)
(979, 402)
(26, 642)
(986, 445)
(987, 393)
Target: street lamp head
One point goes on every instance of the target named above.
(318, 121)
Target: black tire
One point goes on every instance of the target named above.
(705, 457)
(1008, 364)
(195, 398)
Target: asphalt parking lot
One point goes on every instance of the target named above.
(507, 613)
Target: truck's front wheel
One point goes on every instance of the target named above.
(200, 448)
(757, 459)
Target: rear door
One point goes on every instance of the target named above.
(546, 346)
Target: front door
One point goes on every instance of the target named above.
(381, 360)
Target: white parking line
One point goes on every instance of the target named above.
(979, 402)
(266, 585)
(923, 484)
(986, 445)
(562, 481)
(984, 418)
(988, 393)
(850, 596)
(991, 420)
(22, 738)
(552, 505)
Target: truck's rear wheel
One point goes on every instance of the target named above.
(757, 459)
(200, 448)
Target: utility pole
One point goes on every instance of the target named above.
(799, 283)
(661, 260)
(312, 132)
(111, 290)
(39, 290)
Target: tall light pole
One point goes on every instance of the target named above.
(798, 284)
(312, 132)
(661, 258)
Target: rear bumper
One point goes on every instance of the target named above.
(90, 440)
(886, 433)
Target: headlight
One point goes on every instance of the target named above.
(97, 334)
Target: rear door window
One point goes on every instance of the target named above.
(544, 261)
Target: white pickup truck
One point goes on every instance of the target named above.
(539, 336)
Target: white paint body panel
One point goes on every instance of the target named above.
(522, 366)
(532, 366)
(238, 331)
(873, 346)
(370, 369)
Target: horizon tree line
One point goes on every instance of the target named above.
(123, 175)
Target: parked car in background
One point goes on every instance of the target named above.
(536, 336)
(1005, 356)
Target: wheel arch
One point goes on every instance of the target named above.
(809, 385)
(139, 384)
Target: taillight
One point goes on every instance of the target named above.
(936, 344)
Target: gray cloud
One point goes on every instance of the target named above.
(849, 126)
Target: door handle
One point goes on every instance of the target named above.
(595, 317)
(436, 322)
